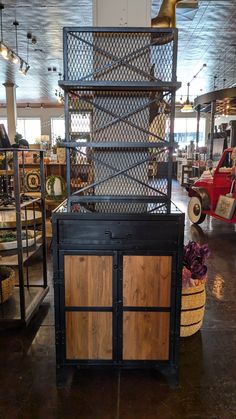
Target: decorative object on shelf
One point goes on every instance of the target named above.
(8, 239)
(32, 181)
(166, 17)
(55, 187)
(7, 283)
(194, 277)
(61, 155)
(7, 201)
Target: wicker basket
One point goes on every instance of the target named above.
(192, 309)
(7, 286)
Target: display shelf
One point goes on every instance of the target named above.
(8, 218)
(118, 237)
(10, 310)
(6, 172)
(12, 259)
(30, 215)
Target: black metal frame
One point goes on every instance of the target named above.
(26, 313)
(118, 247)
(164, 234)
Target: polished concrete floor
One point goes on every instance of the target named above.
(207, 388)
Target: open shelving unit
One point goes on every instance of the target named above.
(24, 214)
(119, 236)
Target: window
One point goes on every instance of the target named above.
(57, 128)
(29, 128)
(185, 131)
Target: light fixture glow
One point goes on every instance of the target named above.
(9, 54)
(21, 66)
(15, 59)
(187, 107)
(4, 51)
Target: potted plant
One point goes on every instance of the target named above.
(194, 277)
(55, 187)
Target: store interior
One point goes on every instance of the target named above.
(118, 209)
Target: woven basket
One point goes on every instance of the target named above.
(192, 309)
(7, 286)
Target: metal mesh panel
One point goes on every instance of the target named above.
(119, 88)
(119, 56)
(115, 171)
(120, 116)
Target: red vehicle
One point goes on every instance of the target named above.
(206, 191)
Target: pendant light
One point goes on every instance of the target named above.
(187, 107)
(3, 48)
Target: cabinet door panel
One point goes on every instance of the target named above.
(146, 281)
(88, 280)
(145, 335)
(89, 335)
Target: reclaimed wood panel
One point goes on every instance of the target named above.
(147, 281)
(89, 335)
(146, 335)
(88, 280)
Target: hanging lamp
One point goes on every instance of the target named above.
(187, 107)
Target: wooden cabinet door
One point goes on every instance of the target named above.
(89, 306)
(146, 307)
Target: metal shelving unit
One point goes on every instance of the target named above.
(125, 78)
(21, 212)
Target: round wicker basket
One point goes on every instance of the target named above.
(7, 286)
(192, 309)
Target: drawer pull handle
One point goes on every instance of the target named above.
(114, 236)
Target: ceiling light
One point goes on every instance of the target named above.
(7, 53)
(4, 51)
(21, 66)
(14, 58)
(26, 69)
(187, 107)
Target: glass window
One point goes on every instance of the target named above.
(29, 128)
(57, 128)
(185, 131)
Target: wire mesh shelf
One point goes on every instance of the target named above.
(119, 105)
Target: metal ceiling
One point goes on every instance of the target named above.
(207, 34)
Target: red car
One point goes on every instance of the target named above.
(207, 190)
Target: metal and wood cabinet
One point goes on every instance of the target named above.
(117, 240)
(118, 289)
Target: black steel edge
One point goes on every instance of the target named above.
(116, 144)
(120, 246)
(109, 29)
(141, 364)
(119, 198)
(176, 297)
(65, 216)
(125, 86)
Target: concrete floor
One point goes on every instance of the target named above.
(207, 388)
